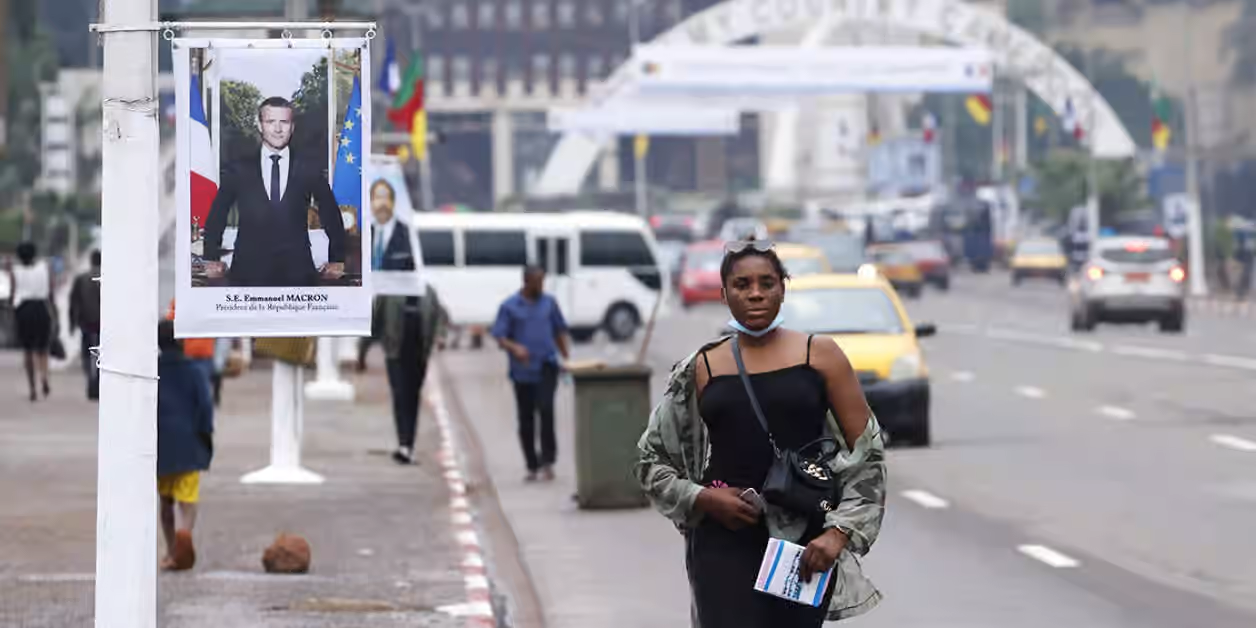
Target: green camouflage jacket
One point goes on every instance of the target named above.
(674, 453)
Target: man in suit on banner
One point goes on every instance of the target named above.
(272, 190)
(390, 245)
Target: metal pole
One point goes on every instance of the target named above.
(639, 172)
(126, 515)
(1092, 171)
(1195, 254)
(426, 196)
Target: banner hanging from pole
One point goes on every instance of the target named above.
(274, 237)
(396, 265)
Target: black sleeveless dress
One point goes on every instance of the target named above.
(723, 564)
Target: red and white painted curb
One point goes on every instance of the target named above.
(478, 609)
(1223, 307)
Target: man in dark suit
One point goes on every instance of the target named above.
(390, 251)
(272, 190)
(390, 242)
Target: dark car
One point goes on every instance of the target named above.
(845, 251)
(932, 260)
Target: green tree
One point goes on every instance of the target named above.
(1239, 40)
(1063, 183)
(239, 117)
(31, 62)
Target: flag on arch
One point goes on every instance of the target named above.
(204, 185)
(1070, 121)
(346, 183)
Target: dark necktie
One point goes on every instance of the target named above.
(274, 179)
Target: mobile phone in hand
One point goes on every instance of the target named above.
(753, 498)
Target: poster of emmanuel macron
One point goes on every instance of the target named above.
(272, 135)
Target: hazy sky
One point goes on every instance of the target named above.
(277, 72)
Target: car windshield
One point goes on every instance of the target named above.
(842, 311)
(798, 266)
(704, 259)
(845, 253)
(1135, 254)
(1043, 247)
(927, 250)
(894, 257)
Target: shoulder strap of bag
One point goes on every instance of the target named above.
(754, 400)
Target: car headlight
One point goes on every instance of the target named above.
(906, 367)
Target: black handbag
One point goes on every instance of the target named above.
(798, 480)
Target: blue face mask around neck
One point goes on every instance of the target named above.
(758, 333)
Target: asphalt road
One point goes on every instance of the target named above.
(1104, 479)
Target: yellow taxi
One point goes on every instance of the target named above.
(803, 259)
(898, 265)
(1040, 257)
(863, 314)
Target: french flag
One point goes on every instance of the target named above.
(390, 77)
(204, 169)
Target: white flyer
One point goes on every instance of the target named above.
(779, 575)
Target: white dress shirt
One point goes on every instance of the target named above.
(285, 160)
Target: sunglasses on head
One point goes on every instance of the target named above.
(732, 247)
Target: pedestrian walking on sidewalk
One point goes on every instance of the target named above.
(708, 442)
(530, 327)
(85, 316)
(33, 310)
(409, 329)
(185, 445)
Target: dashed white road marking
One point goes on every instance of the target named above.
(1048, 556)
(1233, 442)
(925, 499)
(1031, 392)
(1150, 352)
(963, 376)
(1231, 361)
(1116, 413)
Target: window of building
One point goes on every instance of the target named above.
(435, 68)
(540, 66)
(435, 16)
(567, 65)
(512, 68)
(566, 13)
(614, 248)
(437, 246)
(540, 14)
(593, 68)
(495, 248)
(593, 14)
(673, 11)
(514, 14)
(488, 70)
(460, 69)
(487, 14)
(459, 15)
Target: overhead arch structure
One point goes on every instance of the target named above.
(1014, 50)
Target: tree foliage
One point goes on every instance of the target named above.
(239, 117)
(1063, 183)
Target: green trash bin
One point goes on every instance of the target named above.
(612, 410)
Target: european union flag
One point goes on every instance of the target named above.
(347, 181)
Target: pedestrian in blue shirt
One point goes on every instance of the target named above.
(531, 329)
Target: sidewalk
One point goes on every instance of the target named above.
(383, 547)
(603, 569)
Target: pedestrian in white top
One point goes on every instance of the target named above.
(31, 300)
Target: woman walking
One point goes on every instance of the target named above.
(31, 300)
(731, 413)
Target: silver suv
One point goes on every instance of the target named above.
(1130, 280)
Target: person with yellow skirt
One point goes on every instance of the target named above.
(185, 445)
